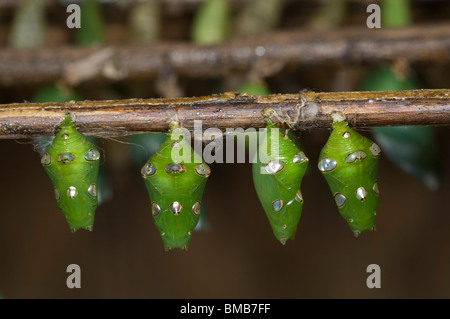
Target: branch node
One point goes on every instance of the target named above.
(302, 110)
(338, 116)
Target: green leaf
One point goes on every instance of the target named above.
(92, 31)
(255, 88)
(395, 13)
(385, 79)
(414, 149)
(55, 93)
(212, 22)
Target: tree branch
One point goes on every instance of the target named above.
(229, 110)
(427, 44)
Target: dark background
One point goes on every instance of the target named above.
(237, 256)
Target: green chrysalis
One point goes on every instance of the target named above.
(175, 178)
(277, 178)
(349, 163)
(72, 164)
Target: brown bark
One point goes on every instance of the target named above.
(229, 110)
(424, 44)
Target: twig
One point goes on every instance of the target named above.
(12, 3)
(228, 110)
(419, 44)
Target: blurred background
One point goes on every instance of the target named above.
(234, 254)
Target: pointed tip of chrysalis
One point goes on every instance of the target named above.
(356, 233)
(175, 241)
(283, 241)
(74, 229)
(169, 248)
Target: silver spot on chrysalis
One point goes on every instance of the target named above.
(361, 194)
(375, 150)
(327, 164)
(196, 208)
(300, 157)
(65, 157)
(65, 136)
(176, 145)
(355, 156)
(57, 194)
(92, 155)
(156, 209)
(346, 134)
(203, 169)
(340, 199)
(273, 166)
(72, 192)
(176, 208)
(299, 197)
(148, 170)
(175, 168)
(92, 190)
(46, 159)
(277, 205)
(375, 188)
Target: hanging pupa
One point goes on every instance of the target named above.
(72, 163)
(175, 177)
(349, 163)
(278, 170)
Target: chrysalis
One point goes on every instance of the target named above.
(175, 178)
(72, 164)
(277, 174)
(349, 163)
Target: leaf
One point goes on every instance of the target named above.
(92, 31)
(212, 22)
